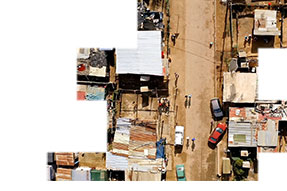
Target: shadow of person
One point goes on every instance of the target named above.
(192, 146)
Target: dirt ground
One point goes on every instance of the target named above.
(193, 60)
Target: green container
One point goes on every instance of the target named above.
(99, 175)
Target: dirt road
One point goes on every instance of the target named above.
(193, 59)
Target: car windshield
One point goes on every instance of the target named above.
(213, 139)
(180, 168)
(219, 130)
(217, 110)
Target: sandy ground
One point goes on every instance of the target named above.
(193, 60)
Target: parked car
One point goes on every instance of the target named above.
(217, 133)
(179, 133)
(180, 172)
(216, 108)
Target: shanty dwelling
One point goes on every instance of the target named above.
(272, 115)
(65, 163)
(134, 152)
(265, 23)
(254, 28)
(83, 166)
(142, 75)
(266, 29)
(242, 142)
(142, 69)
(116, 166)
(95, 73)
(97, 163)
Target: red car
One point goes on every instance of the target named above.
(217, 132)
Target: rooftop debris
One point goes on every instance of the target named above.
(258, 126)
(149, 20)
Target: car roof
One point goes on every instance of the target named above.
(179, 165)
(223, 126)
(215, 103)
(215, 134)
(179, 128)
(178, 139)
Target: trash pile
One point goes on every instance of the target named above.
(163, 105)
(149, 20)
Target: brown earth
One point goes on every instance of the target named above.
(193, 60)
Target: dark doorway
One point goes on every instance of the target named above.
(282, 128)
(145, 100)
(117, 175)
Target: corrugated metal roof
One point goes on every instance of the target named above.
(134, 142)
(145, 59)
(268, 137)
(145, 165)
(115, 162)
(241, 134)
(142, 139)
(142, 176)
(122, 137)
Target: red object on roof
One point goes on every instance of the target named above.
(81, 67)
(162, 54)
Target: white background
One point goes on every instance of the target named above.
(272, 74)
(39, 111)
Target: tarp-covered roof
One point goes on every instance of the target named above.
(145, 59)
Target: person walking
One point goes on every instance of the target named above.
(173, 39)
(210, 44)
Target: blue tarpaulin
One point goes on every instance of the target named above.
(160, 152)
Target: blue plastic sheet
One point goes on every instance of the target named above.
(160, 150)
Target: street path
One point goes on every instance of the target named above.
(193, 60)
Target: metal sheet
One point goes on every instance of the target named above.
(115, 162)
(81, 174)
(241, 135)
(145, 59)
